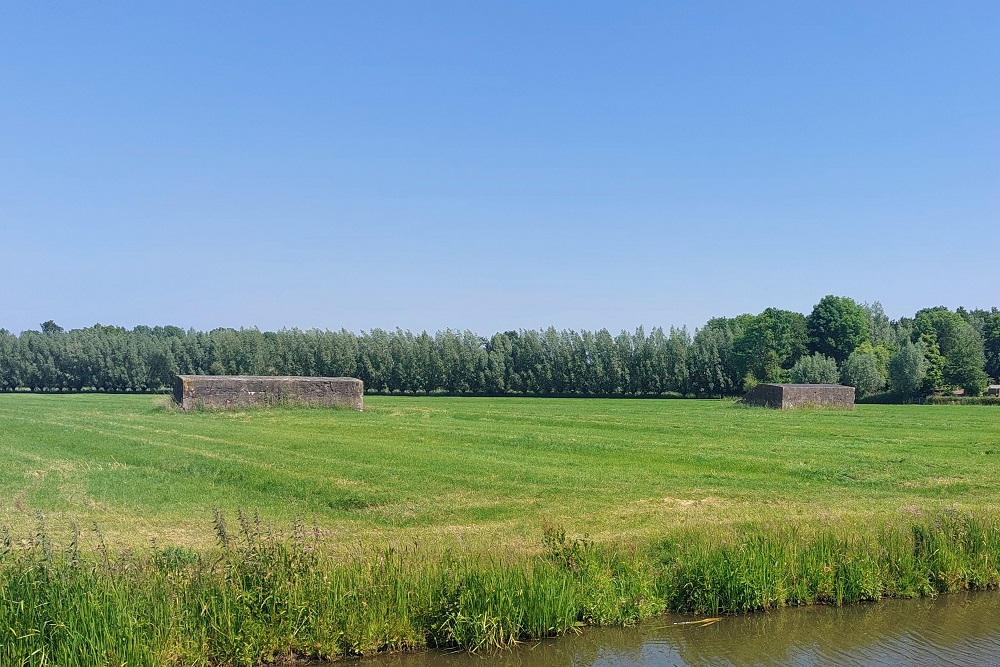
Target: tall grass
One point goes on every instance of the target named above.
(262, 596)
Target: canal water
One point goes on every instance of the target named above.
(954, 629)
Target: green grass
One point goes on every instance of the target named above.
(469, 523)
(463, 470)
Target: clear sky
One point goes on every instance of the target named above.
(493, 166)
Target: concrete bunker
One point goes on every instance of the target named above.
(227, 391)
(785, 396)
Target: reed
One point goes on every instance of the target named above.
(262, 596)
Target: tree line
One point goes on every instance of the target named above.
(839, 341)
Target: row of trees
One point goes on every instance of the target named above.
(840, 340)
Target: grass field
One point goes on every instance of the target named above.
(440, 522)
(480, 470)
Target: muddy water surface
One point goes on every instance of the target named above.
(955, 629)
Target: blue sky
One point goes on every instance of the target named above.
(493, 166)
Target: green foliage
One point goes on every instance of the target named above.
(958, 337)
(10, 378)
(837, 325)
(769, 344)
(965, 361)
(716, 361)
(714, 366)
(991, 345)
(938, 325)
(709, 351)
(50, 327)
(815, 369)
(881, 353)
(880, 328)
(935, 363)
(908, 370)
(863, 371)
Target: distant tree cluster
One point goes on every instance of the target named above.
(839, 341)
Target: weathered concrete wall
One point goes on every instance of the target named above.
(766, 395)
(222, 391)
(785, 396)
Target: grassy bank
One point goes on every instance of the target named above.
(261, 597)
(452, 472)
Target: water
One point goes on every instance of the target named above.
(955, 629)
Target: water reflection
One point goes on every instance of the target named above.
(955, 629)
